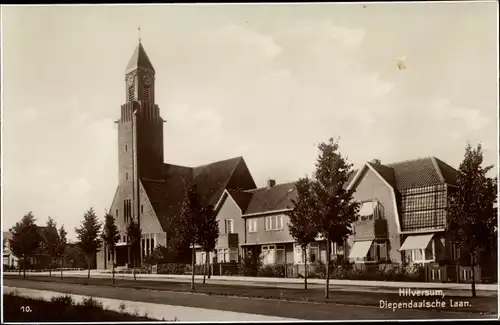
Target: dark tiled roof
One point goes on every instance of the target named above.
(139, 59)
(387, 173)
(416, 173)
(242, 199)
(210, 180)
(270, 199)
(449, 173)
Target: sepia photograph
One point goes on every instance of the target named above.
(286, 162)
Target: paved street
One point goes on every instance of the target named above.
(276, 308)
(260, 283)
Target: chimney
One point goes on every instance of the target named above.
(271, 182)
(376, 161)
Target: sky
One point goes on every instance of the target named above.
(395, 81)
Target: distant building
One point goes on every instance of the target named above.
(9, 260)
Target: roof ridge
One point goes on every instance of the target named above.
(218, 161)
(438, 169)
(169, 164)
(267, 187)
(407, 161)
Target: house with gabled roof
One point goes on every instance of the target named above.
(150, 190)
(402, 218)
(403, 212)
(255, 222)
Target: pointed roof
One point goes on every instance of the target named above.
(211, 180)
(139, 60)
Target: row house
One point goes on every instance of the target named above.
(402, 218)
(256, 222)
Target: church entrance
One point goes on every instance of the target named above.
(121, 255)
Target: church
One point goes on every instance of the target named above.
(150, 190)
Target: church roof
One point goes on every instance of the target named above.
(139, 60)
(211, 180)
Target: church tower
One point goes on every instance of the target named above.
(140, 132)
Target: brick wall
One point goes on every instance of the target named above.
(271, 236)
(230, 210)
(371, 187)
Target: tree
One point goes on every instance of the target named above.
(51, 240)
(189, 222)
(471, 209)
(134, 235)
(110, 237)
(25, 239)
(334, 207)
(61, 247)
(301, 225)
(88, 236)
(208, 233)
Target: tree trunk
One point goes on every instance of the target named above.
(50, 267)
(88, 263)
(24, 267)
(473, 260)
(205, 268)
(62, 265)
(193, 257)
(304, 249)
(133, 264)
(113, 265)
(19, 265)
(209, 262)
(327, 282)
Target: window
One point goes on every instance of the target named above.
(424, 207)
(229, 226)
(126, 176)
(377, 252)
(223, 255)
(274, 222)
(280, 254)
(152, 244)
(146, 93)
(268, 253)
(142, 208)
(116, 213)
(423, 255)
(313, 253)
(131, 93)
(126, 147)
(233, 254)
(455, 251)
(252, 225)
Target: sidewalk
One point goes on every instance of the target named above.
(333, 282)
(159, 311)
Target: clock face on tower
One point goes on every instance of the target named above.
(147, 80)
(130, 80)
